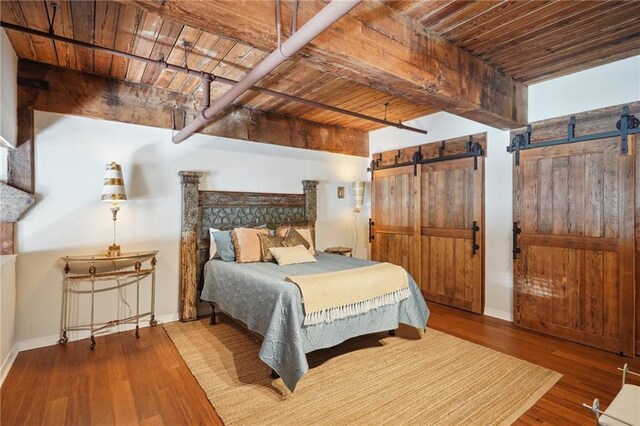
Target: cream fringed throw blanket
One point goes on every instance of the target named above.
(333, 295)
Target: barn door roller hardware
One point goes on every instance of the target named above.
(472, 150)
(207, 77)
(627, 125)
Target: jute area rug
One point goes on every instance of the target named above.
(433, 379)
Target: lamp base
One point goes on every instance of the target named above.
(113, 250)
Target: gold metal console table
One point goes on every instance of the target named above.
(126, 269)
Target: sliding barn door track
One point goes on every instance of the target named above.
(627, 125)
(473, 150)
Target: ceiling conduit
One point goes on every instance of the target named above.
(320, 22)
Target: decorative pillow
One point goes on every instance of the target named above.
(282, 230)
(291, 255)
(213, 249)
(267, 242)
(224, 245)
(294, 238)
(305, 231)
(247, 244)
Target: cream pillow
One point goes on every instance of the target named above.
(291, 255)
(213, 248)
(247, 244)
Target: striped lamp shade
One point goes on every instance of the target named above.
(113, 187)
(358, 193)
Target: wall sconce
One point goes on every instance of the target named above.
(341, 192)
(358, 195)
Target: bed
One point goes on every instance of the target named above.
(257, 294)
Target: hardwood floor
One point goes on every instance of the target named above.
(124, 381)
(128, 381)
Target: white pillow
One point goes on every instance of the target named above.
(291, 255)
(213, 249)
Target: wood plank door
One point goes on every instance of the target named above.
(574, 276)
(452, 205)
(395, 215)
(637, 242)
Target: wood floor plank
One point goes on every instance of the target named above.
(145, 381)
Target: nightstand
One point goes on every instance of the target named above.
(344, 251)
(95, 274)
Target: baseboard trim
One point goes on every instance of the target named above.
(495, 313)
(41, 342)
(7, 363)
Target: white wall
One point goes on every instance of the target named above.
(8, 101)
(612, 84)
(8, 350)
(69, 217)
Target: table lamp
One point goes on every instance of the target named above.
(358, 198)
(113, 190)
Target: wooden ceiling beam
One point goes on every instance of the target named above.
(373, 45)
(76, 93)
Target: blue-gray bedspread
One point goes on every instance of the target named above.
(258, 295)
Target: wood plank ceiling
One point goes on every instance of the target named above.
(529, 40)
(143, 33)
(534, 40)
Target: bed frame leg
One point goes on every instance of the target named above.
(213, 314)
(392, 332)
(274, 375)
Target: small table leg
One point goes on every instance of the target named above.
(92, 271)
(138, 266)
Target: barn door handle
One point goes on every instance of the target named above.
(371, 236)
(474, 245)
(516, 250)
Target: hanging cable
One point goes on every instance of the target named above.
(278, 22)
(294, 16)
(355, 226)
(52, 21)
(186, 45)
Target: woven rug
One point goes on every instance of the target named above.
(377, 379)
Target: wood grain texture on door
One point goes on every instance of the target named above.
(575, 275)
(637, 252)
(395, 214)
(424, 218)
(451, 203)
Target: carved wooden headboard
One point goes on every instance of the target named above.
(224, 210)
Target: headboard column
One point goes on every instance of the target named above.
(188, 245)
(310, 188)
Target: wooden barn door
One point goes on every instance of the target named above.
(574, 275)
(637, 242)
(394, 202)
(451, 213)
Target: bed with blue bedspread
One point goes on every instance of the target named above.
(258, 295)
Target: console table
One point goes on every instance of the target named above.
(88, 275)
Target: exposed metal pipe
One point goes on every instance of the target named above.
(210, 77)
(318, 23)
